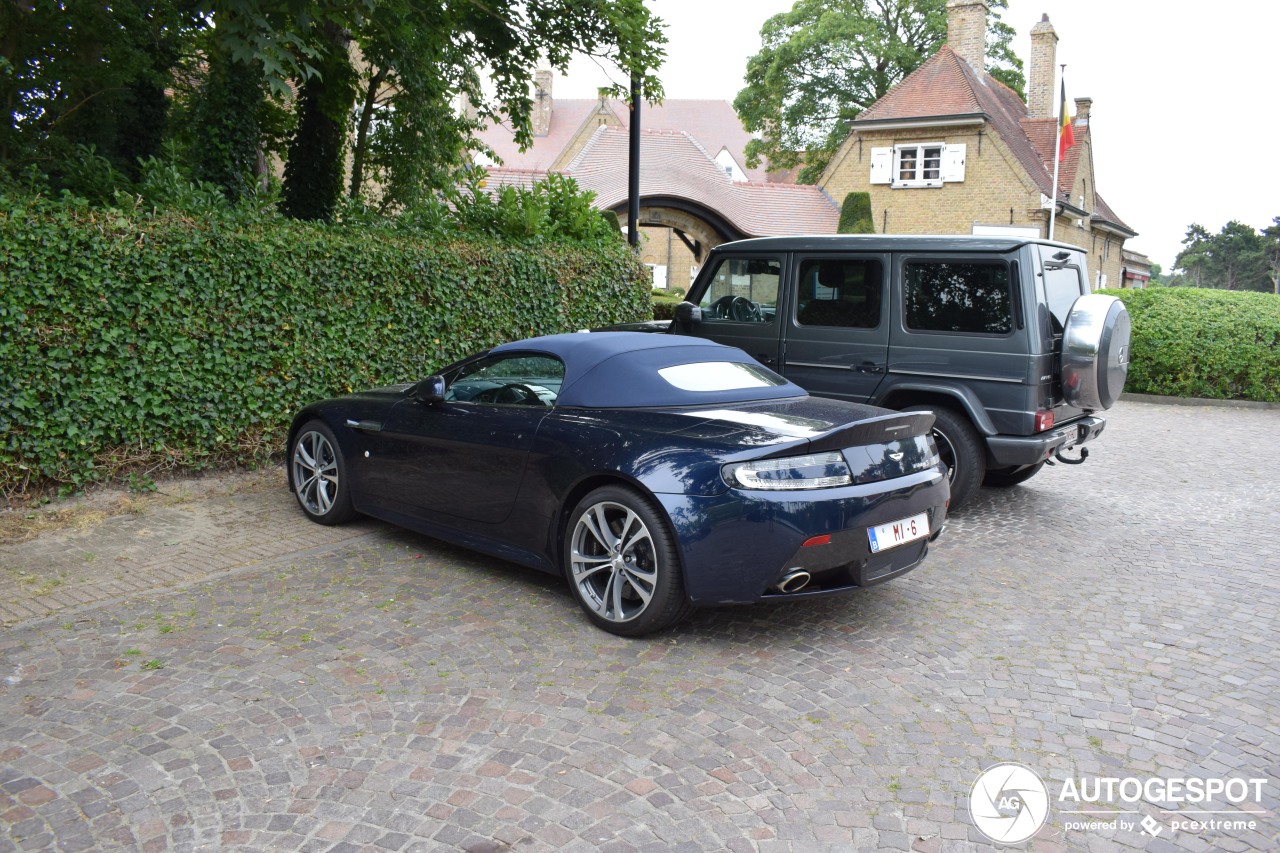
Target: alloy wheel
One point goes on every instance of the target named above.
(613, 561)
(315, 473)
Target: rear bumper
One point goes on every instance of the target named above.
(1007, 451)
(736, 546)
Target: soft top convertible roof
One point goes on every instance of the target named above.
(619, 370)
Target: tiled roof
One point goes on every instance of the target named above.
(674, 164)
(947, 86)
(1106, 214)
(713, 123)
(943, 86)
(566, 119)
(1043, 134)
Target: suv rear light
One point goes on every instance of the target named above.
(1044, 420)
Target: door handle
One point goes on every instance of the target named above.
(868, 367)
(766, 360)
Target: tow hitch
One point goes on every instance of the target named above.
(1084, 454)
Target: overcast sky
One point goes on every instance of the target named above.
(1184, 114)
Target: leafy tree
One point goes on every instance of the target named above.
(223, 124)
(313, 171)
(420, 58)
(1271, 235)
(84, 85)
(416, 60)
(1195, 258)
(88, 77)
(825, 61)
(1236, 258)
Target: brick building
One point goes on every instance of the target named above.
(951, 150)
(695, 190)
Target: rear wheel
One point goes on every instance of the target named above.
(622, 564)
(961, 451)
(1004, 478)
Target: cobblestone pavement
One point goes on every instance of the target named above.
(370, 689)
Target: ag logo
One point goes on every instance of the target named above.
(1009, 803)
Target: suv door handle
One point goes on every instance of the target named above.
(868, 367)
(766, 360)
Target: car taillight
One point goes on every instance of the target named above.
(1044, 420)
(815, 471)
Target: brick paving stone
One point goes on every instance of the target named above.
(367, 689)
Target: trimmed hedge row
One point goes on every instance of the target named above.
(133, 341)
(1216, 344)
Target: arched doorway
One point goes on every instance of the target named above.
(676, 235)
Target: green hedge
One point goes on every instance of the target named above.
(149, 341)
(665, 302)
(1216, 344)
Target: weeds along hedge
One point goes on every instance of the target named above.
(135, 342)
(1189, 342)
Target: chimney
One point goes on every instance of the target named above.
(542, 103)
(1082, 111)
(467, 108)
(1044, 70)
(967, 31)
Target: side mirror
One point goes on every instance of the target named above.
(430, 390)
(688, 315)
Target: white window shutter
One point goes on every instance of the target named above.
(881, 165)
(953, 162)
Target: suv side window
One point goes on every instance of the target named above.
(970, 297)
(843, 293)
(743, 290)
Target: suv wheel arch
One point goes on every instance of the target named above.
(960, 447)
(901, 396)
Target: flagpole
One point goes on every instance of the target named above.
(1057, 157)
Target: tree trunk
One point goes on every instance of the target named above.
(313, 172)
(360, 152)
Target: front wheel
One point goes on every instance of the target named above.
(622, 564)
(961, 451)
(318, 475)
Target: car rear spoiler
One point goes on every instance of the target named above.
(881, 430)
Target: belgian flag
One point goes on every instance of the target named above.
(1066, 136)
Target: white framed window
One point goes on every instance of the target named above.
(925, 164)
(918, 165)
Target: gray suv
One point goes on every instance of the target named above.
(999, 337)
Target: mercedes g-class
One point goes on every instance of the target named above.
(998, 336)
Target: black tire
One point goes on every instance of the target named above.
(622, 564)
(961, 450)
(318, 475)
(1004, 478)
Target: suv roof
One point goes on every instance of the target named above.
(888, 242)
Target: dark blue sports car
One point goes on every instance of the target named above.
(655, 473)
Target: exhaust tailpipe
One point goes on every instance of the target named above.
(793, 581)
